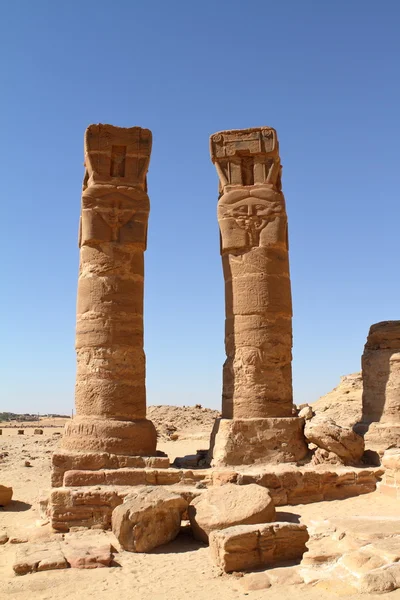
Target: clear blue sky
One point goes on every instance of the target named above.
(324, 74)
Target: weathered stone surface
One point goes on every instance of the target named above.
(257, 374)
(380, 581)
(306, 413)
(390, 483)
(381, 373)
(110, 393)
(255, 581)
(251, 546)
(3, 537)
(6, 494)
(250, 441)
(343, 441)
(343, 404)
(148, 518)
(39, 557)
(228, 505)
(321, 457)
(287, 484)
(63, 462)
(86, 554)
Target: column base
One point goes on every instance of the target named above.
(129, 438)
(254, 441)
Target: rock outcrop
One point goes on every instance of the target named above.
(344, 403)
(229, 505)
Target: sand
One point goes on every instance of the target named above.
(181, 569)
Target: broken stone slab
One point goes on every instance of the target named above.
(342, 441)
(86, 554)
(229, 505)
(39, 557)
(246, 547)
(148, 518)
(6, 494)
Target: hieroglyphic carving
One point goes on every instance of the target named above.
(253, 224)
(110, 387)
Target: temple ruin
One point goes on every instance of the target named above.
(110, 395)
(258, 422)
(381, 387)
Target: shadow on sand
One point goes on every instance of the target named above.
(16, 506)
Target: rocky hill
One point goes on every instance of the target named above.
(344, 403)
(183, 420)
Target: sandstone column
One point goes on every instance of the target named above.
(257, 405)
(110, 386)
(381, 387)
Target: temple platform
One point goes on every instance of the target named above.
(87, 498)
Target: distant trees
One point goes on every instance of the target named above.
(9, 416)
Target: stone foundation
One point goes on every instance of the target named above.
(237, 442)
(75, 463)
(92, 506)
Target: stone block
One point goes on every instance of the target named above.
(246, 547)
(147, 519)
(254, 441)
(221, 507)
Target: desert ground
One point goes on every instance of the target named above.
(182, 568)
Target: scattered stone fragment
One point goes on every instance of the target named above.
(3, 537)
(6, 494)
(21, 432)
(343, 441)
(38, 432)
(18, 539)
(27, 463)
(306, 413)
(321, 457)
(148, 518)
(228, 505)
(252, 546)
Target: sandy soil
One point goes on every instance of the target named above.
(179, 570)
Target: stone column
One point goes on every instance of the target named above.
(381, 387)
(110, 386)
(257, 405)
